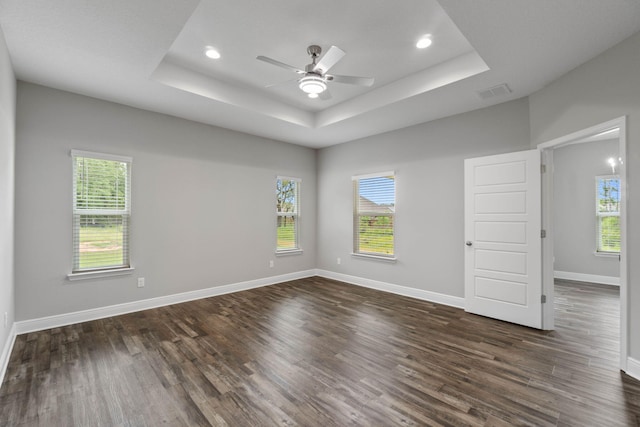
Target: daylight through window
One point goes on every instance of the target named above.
(374, 212)
(608, 213)
(101, 211)
(288, 214)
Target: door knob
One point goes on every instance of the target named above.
(468, 243)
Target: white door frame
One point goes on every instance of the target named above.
(547, 223)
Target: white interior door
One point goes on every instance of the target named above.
(503, 258)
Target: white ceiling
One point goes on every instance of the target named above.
(149, 54)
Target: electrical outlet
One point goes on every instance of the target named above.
(141, 282)
(339, 261)
(270, 263)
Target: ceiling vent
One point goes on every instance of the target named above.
(500, 90)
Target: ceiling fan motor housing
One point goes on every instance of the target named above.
(314, 51)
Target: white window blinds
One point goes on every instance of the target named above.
(288, 214)
(374, 214)
(608, 213)
(101, 211)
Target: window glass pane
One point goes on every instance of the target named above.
(609, 234)
(608, 195)
(376, 194)
(287, 232)
(102, 240)
(286, 192)
(376, 235)
(100, 184)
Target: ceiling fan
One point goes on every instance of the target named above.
(314, 76)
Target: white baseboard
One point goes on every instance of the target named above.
(49, 322)
(395, 289)
(592, 278)
(6, 352)
(633, 368)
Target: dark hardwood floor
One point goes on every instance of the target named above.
(316, 352)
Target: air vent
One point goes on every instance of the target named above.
(500, 90)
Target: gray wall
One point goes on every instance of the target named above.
(7, 146)
(574, 170)
(203, 202)
(602, 89)
(429, 163)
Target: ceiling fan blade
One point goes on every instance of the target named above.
(331, 58)
(351, 80)
(280, 64)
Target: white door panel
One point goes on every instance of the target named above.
(501, 232)
(500, 290)
(502, 228)
(501, 203)
(501, 261)
(503, 173)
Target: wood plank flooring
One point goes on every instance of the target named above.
(317, 352)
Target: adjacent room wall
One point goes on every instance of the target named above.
(203, 202)
(7, 149)
(574, 170)
(602, 89)
(429, 163)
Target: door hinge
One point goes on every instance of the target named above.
(543, 168)
(543, 299)
(543, 234)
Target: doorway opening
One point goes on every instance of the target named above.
(558, 149)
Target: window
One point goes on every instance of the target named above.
(373, 216)
(288, 214)
(608, 213)
(101, 211)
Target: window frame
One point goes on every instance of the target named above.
(357, 214)
(101, 271)
(297, 249)
(601, 215)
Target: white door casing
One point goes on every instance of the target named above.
(503, 258)
(584, 136)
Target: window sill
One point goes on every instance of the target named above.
(391, 260)
(85, 275)
(289, 252)
(607, 254)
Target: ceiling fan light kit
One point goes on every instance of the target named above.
(312, 84)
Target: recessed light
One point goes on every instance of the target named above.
(424, 42)
(313, 95)
(211, 52)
